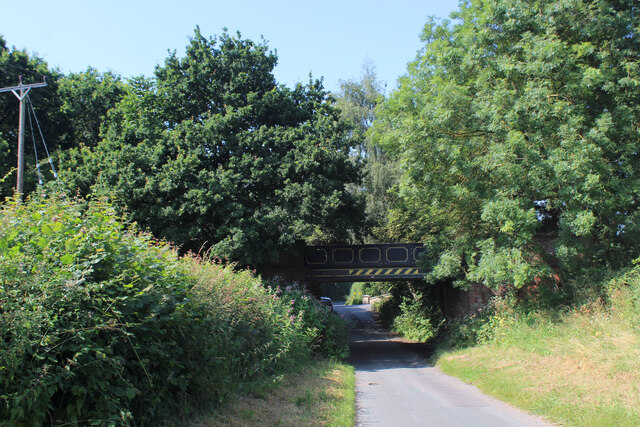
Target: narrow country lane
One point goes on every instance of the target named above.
(395, 386)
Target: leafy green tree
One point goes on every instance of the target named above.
(357, 100)
(517, 126)
(86, 99)
(211, 153)
(13, 65)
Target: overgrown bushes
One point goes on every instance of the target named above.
(100, 324)
(355, 294)
(418, 321)
(623, 294)
(327, 332)
(411, 310)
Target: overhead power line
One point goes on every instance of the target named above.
(23, 91)
(44, 143)
(35, 149)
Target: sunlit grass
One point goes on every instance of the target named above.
(580, 370)
(320, 394)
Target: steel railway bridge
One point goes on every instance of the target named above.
(360, 263)
(366, 263)
(350, 263)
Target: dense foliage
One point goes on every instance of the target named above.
(211, 152)
(327, 332)
(102, 325)
(518, 126)
(86, 99)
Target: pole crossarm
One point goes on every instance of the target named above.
(22, 87)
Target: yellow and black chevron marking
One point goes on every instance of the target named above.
(411, 271)
(355, 273)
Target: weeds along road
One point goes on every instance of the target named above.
(395, 386)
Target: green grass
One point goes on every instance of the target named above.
(320, 393)
(581, 369)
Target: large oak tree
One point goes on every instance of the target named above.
(212, 153)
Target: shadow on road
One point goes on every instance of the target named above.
(373, 348)
(375, 356)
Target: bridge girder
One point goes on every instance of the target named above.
(360, 263)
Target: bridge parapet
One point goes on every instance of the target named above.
(354, 263)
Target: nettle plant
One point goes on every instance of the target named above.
(101, 324)
(83, 300)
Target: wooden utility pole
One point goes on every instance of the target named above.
(24, 90)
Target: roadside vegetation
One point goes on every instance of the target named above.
(575, 366)
(515, 131)
(509, 149)
(101, 324)
(359, 289)
(317, 394)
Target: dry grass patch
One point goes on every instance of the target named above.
(322, 394)
(583, 371)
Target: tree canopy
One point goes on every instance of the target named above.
(518, 126)
(357, 100)
(86, 98)
(212, 153)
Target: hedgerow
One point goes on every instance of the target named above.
(617, 297)
(327, 332)
(102, 325)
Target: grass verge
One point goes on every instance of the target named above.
(578, 370)
(322, 393)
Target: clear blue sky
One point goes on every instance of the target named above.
(330, 38)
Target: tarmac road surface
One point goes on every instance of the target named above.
(395, 386)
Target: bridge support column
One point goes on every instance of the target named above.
(457, 303)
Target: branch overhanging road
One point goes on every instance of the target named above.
(395, 386)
